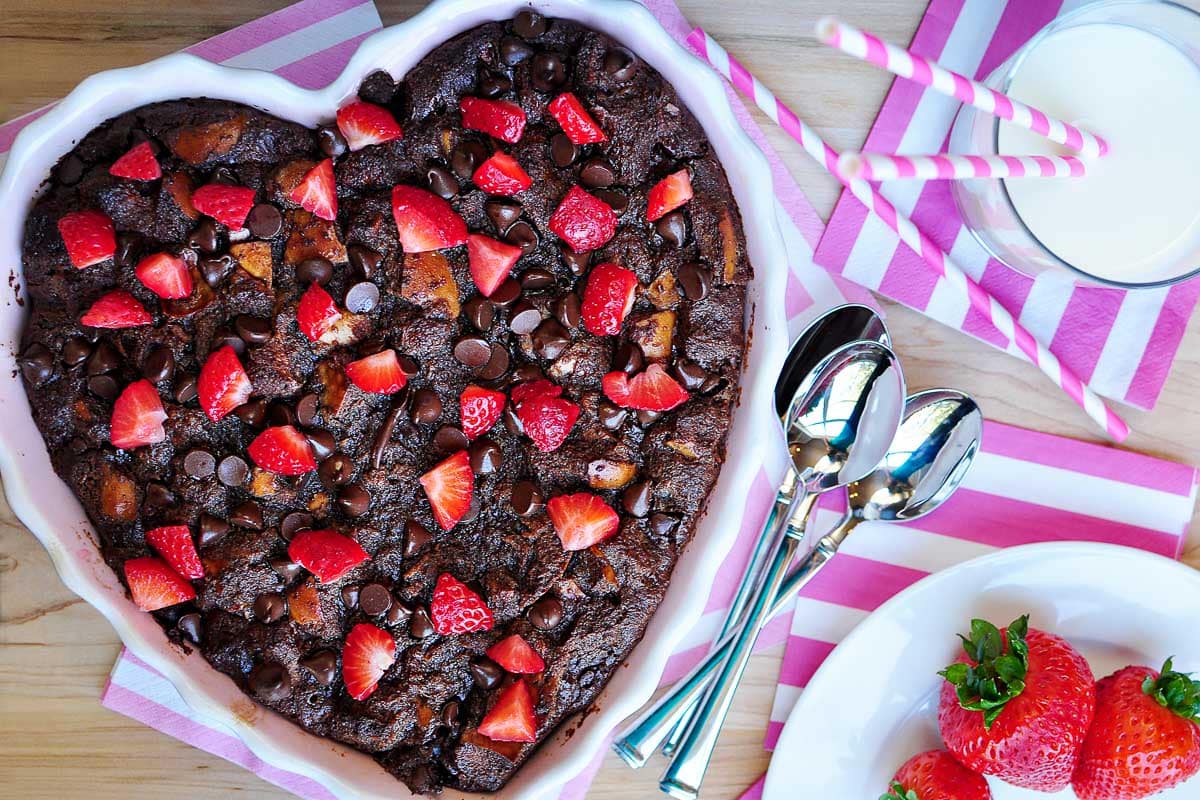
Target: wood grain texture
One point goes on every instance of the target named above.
(55, 651)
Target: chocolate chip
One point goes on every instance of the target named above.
(224, 175)
(364, 260)
(159, 365)
(377, 88)
(524, 318)
(450, 715)
(322, 443)
(426, 406)
(441, 181)
(628, 358)
(486, 673)
(158, 497)
(103, 386)
(612, 417)
(513, 51)
(550, 339)
(269, 607)
(506, 293)
(308, 408)
(336, 470)
(497, 364)
(374, 599)
(563, 151)
(663, 524)
(285, 568)
(322, 665)
(331, 141)
(69, 170)
(522, 234)
(568, 310)
(215, 270)
(528, 24)
(354, 500)
(695, 280)
(690, 374)
(577, 263)
(232, 471)
(472, 510)
(104, 358)
(527, 373)
(252, 330)
(502, 214)
(536, 278)
(547, 71)
(199, 464)
(37, 363)
(253, 412)
(450, 439)
(472, 351)
(620, 63)
(185, 389)
(486, 457)
(280, 413)
(247, 515)
(527, 499)
(408, 365)
(420, 626)
(546, 613)
(212, 529)
(647, 418)
(350, 596)
(264, 221)
(673, 228)
(493, 84)
(615, 200)
(636, 499)
(314, 270)
(415, 538)
(205, 237)
(465, 157)
(76, 351)
(511, 421)
(224, 337)
(190, 626)
(597, 173)
(479, 312)
(362, 297)
(293, 523)
(270, 681)
(397, 613)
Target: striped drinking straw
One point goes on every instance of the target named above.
(947, 166)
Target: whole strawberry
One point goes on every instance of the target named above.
(1144, 738)
(935, 775)
(1017, 705)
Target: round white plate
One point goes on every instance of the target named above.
(873, 703)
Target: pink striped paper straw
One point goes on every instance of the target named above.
(945, 166)
(906, 64)
(941, 263)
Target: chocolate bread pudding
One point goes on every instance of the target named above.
(401, 422)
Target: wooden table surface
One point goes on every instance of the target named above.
(55, 651)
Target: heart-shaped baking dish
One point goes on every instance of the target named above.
(47, 506)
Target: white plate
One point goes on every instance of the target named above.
(873, 703)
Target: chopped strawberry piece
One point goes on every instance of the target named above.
(283, 450)
(669, 194)
(317, 314)
(154, 585)
(379, 373)
(499, 118)
(366, 656)
(117, 309)
(574, 119)
(366, 123)
(608, 299)
(425, 221)
(166, 275)
(512, 718)
(174, 543)
(316, 191)
(581, 520)
(650, 390)
(137, 417)
(227, 204)
(501, 174)
(138, 164)
(327, 554)
(448, 487)
(223, 384)
(490, 261)
(524, 391)
(89, 237)
(582, 221)
(456, 609)
(516, 655)
(480, 410)
(547, 420)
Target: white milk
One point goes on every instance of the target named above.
(1136, 216)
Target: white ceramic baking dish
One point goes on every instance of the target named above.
(50, 510)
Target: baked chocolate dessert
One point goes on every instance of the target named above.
(401, 422)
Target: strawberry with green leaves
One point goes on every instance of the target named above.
(935, 775)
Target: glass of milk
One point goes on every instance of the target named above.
(1129, 71)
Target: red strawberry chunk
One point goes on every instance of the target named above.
(223, 384)
(137, 417)
(547, 420)
(366, 656)
(480, 409)
(669, 194)
(117, 309)
(501, 174)
(89, 237)
(425, 221)
(456, 609)
(524, 391)
(498, 118)
(316, 191)
(650, 390)
(448, 487)
(574, 119)
(582, 221)
(166, 275)
(282, 450)
(154, 585)
(581, 520)
(379, 373)
(138, 164)
(512, 719)
(490, 261)
(317, 314)
(174, 543)
(366, 123)
(327, 554)
(608, 299)
(516, 655)
(227, 204)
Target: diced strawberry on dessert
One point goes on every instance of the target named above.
(283, 450)
(490, 261)
(650, 390)
(366, 123)
(327, 554)
(425, 221)
(512, 719)
(575, 120)
(499, 118)
(480, 409)
(223, 384)
(317, 314)
(174, 543)
(582, 221)
(581, 520)
(501, 174)
(117, 309)
(368, 653)
(608, 299)
(541, 387)
(317, 192)
(448, 487)
(138, 164)
(166, 275)
(379, 373)
(669, 194)
(137, 417)
(89, 237)
(456, 609)
(547, 420)
(154, 585)
(227, 204)
(516, 656)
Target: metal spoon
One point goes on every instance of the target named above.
(927, 461)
